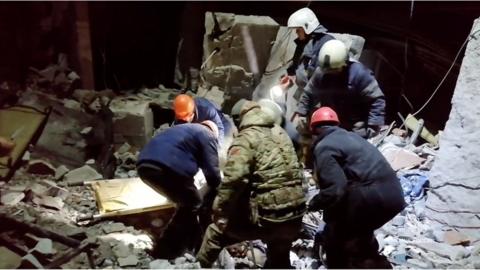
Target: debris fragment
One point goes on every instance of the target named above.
(41, 167)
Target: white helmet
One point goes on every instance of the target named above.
(271, 108)
(304, 18)
(333, 55)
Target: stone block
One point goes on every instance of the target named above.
(132, 121)
(84, 173)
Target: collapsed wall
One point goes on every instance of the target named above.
(242, 45)
(454, 198)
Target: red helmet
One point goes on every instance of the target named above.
(324, 115)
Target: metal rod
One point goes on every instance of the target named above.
(37, 230)
(68, 255)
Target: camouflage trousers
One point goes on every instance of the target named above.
(277, 236)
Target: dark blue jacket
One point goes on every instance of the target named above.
(354, 94)
(346, 163)
(305, 57)
(206, 110)
(184, 149)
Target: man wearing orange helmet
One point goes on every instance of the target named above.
(359, 192)
(196, 110)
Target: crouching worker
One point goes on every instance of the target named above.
(260, 196)
(168, 164)
(359, 192)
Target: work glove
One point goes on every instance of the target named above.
(315, 204)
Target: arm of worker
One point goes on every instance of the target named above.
(209, 162)
(372, 94)
(331, 178)
(236, 172)
(310, 95)
(297, 55)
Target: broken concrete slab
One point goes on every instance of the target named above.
(44, 246)
(30, 261)
(113, 227)
(60, 171)
(84, 173)
(455, 190)
(132, 121)
(41, 167)
(10, 259)
(160, 264)
(11, 198)
(236, 45)
(63, 125)
(453, 253)
(120, 250)
(49, 202)
(400, 158)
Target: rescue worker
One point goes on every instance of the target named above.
(359, 192)
(348, 87)
(261, 195)
(6, 146)
(311, 36)
(198, 109)
(168, 164)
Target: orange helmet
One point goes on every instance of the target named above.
(324, 115)
(184, 107)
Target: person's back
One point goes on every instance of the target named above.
(179, 148)
(362, 162)
(261, 194)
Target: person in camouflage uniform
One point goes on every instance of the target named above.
(261, 194)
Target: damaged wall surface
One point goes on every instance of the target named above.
(455, 192)
(243, 48)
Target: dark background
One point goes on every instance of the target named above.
(134, 44)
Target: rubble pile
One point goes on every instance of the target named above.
(57, 78)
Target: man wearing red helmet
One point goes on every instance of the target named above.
(359, 192)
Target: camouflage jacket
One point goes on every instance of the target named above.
(263, 166)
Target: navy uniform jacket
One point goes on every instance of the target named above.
(184, 149)
(354, 94)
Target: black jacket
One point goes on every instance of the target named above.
(305, 57)
(345, 162)
(354, 94)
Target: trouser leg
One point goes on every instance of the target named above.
(213, 242)
(278, 254)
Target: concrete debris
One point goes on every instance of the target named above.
(49, 202)
(234, 62)
(90, 161)
(60, 171)
(160, 264)
(456, 238)
(45, 247)
(120, 250)
(455, 191)
(132, 121)
(12, 198)
(84, 173)
(113, 227)
(131, 260)
(30, 261)
(86, 130)
(400, 158)
(41, 167)
(56, 77)
(26, 156)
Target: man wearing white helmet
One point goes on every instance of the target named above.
(311, 36)
(348, 87)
